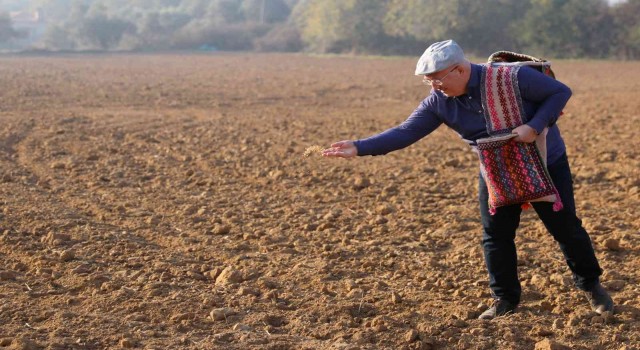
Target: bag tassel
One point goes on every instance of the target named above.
(557, 205)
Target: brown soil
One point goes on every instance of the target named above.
(161, 202)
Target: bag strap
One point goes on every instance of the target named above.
(520, 59)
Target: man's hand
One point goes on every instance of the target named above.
(525, 133)
(341, 149)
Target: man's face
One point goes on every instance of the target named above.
(449, 81)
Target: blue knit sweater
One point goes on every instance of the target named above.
(543, 100)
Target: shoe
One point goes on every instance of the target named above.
(499, 308)
(599, 299)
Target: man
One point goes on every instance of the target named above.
(455, 100)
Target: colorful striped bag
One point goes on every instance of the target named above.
(515, 172)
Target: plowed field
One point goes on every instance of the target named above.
(164, 202)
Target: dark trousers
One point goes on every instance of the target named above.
(499, 232)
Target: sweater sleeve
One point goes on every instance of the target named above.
(419, 124)
(550, 94)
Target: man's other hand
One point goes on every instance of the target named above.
(525, 133)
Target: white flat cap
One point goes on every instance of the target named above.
(439, 56)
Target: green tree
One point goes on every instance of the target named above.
(566, 28)
(224, 12)
(64, 33)
(548, 28)
(57, 37)
(481, 27)
(265, 11)
(58, 11)
(627, 29)
(7, 32)
(155, 29)
(425, 20)
(340, 25)
(102, 32)
(195, 8)
(13, 5)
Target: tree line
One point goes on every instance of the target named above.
(549, 28)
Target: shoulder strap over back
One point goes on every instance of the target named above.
(508, 57)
